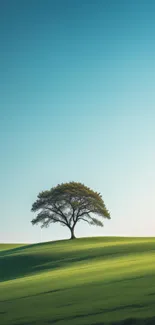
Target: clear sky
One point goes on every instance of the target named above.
(77, 103)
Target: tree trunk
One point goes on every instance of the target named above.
(72, 233)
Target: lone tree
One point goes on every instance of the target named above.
(69, 203)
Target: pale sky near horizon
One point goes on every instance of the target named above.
(77, 103)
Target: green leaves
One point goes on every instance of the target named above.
(68, 203)
(96, 222)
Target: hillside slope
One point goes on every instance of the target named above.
(107, 280)
(9, 246)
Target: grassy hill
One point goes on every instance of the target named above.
(9, 246)
(107, 280)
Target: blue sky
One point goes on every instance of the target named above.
(77, 103)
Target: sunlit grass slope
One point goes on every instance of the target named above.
(86, 281)
(9, 246)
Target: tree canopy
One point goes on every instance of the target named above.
(67, 204)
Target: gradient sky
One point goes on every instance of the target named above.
(77, 103)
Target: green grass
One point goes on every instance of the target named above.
(104, 280)
(9, 246)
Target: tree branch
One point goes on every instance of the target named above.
(60, 213)
(84, 220)
(85, 213)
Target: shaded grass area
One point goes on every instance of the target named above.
(86, 281)
(129, 321)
